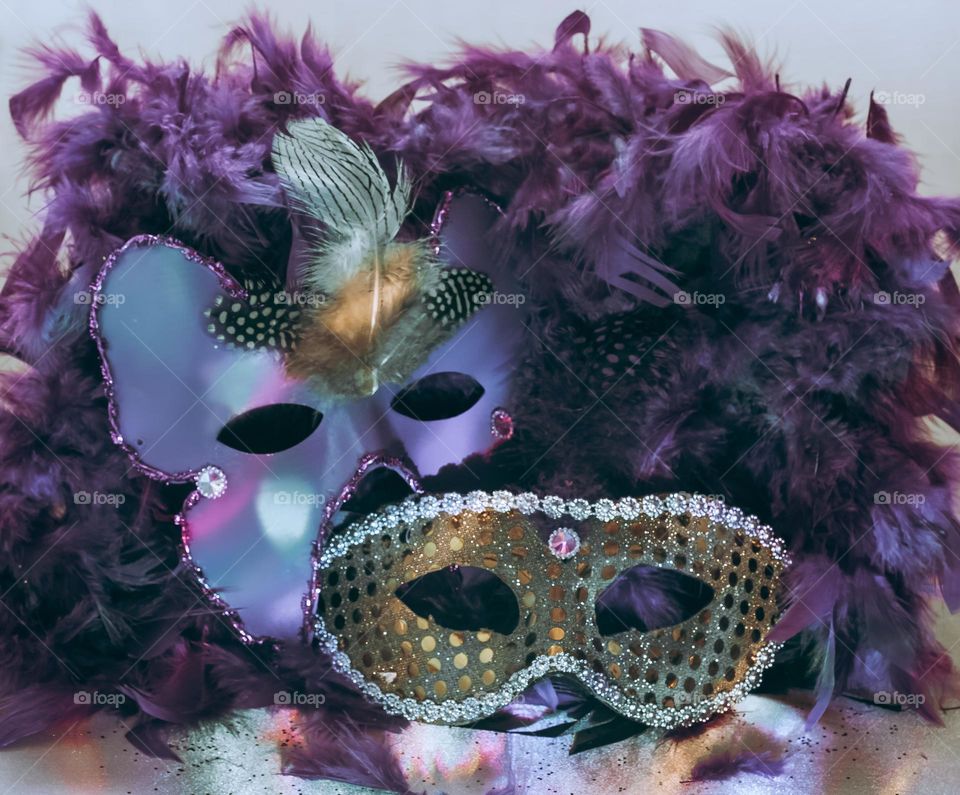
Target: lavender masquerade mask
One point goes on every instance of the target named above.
(187, 407)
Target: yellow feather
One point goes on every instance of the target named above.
(339, 337)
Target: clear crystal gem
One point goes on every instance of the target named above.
(211, 482)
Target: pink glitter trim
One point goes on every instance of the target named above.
(229, 285)
(443, 210)
(368, 463)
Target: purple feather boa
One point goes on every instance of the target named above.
(798, 397)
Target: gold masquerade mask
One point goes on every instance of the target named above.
(667, 677)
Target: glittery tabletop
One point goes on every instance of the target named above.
(856, 748)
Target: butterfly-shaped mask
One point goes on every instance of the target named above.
(273, 456)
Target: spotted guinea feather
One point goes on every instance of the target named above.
(267, 318)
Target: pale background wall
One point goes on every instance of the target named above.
(911, 48)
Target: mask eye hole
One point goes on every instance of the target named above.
(438, 396)
(270, 429)
(647, 598)
(465, 598)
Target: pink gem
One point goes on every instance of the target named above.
(564, 543)
(501, 424)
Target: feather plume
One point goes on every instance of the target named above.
(340, 183)
(339, 339)
(377, 315)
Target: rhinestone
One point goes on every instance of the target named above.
(451, 503)
(605, 510)
(527, 503)
(211, 482)
(579, 509)
(651, 506)
(629, 508)
(476, 501)
(502, 501)
(552, 507)
(564, 543)
(501, 424)
(429, 507)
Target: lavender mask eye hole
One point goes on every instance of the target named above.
(463, 598)
(270, 429)
(645, 598)
(438, 396)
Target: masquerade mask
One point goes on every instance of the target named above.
(666, 677)
(274, 456)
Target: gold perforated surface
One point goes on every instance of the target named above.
(410, 656)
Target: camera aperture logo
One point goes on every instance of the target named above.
(287, 698)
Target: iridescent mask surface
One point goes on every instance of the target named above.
(669, 676)
(273, 457)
